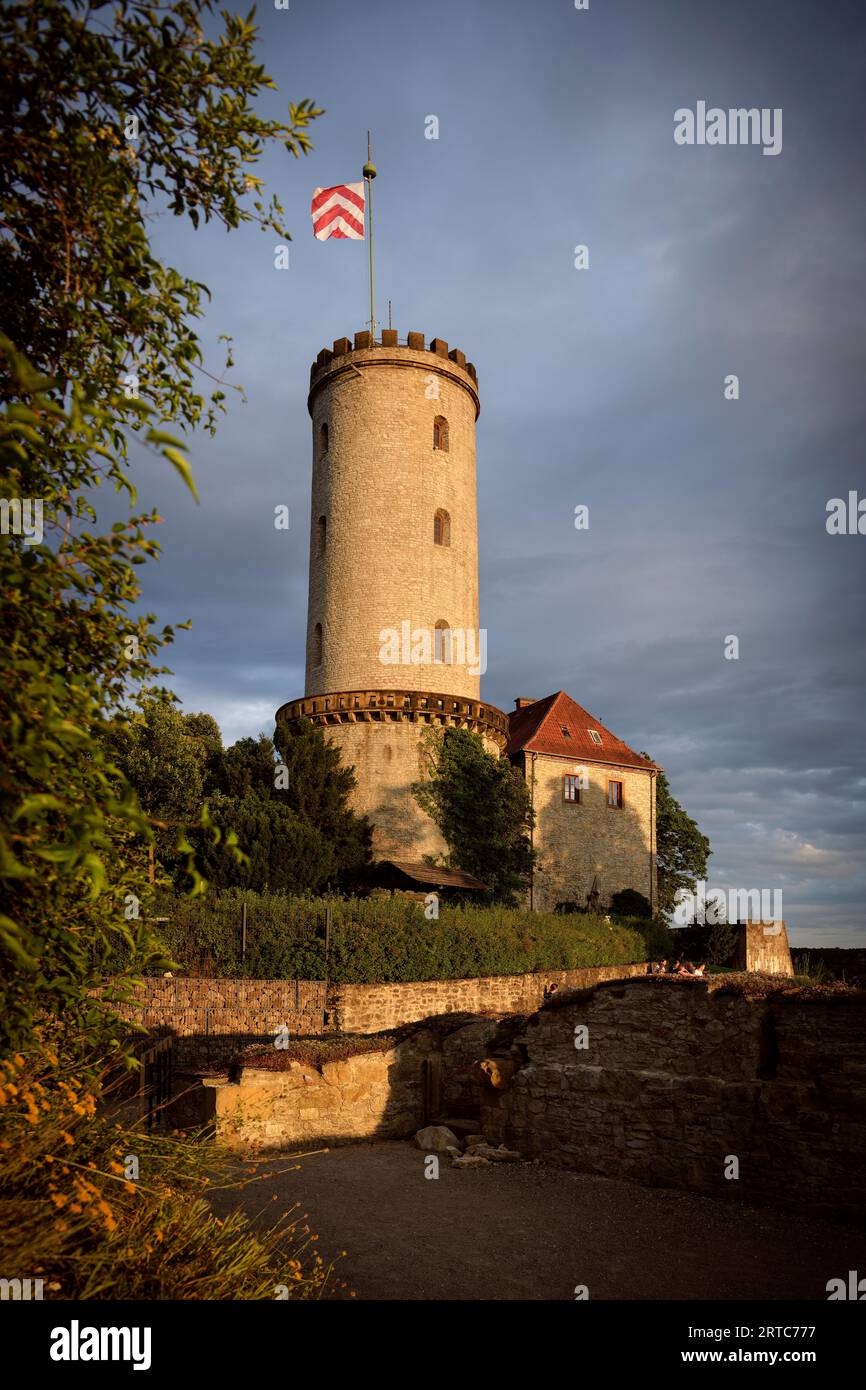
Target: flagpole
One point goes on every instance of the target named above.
(369, 174)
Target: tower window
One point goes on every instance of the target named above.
(442, 642)
(317, 645)
(441, 528)
(323, 534)
(440, 434)
(571, 788)
(323, 440)
(614, 795)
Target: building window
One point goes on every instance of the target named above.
(323, 534)
(323, 440)
(566, 733)
(317, 645)
(571, 788)
(440, 434)
(614, 795)
(442, 642)
(441, 528)
(594, 735)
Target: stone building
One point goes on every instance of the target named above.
(594, 800)
(393, 642)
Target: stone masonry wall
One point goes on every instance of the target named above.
(681, 1076)
(764, 946)
(211, 1018)
(374, 1008)
(386, 759)
(577, 841)
(374, 1095)
(378, 487)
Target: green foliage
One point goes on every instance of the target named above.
(84, 300)
(630, 903)
(482, 809)
(809, 966)
(83, 295)
(283, 853)
(389, 939)
(318, 792)
(721, 943)
(69, 1214)
(681, 850)
(162, 756)
(68, 823)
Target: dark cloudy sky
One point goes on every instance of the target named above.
(602, 387)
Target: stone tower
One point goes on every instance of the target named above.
(393, 643)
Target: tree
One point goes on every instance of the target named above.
(165, 759)
(681, 850)
(282, 852)
(318, 791)
(101, 350)
(482, 809)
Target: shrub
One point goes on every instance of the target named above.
(70, 1215)
(630, 903)
(375, 940)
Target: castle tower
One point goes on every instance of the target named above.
(393, 643)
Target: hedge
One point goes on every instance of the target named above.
(389, 940)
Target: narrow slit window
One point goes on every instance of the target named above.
(441, 528)
(442, 643)
(317, 645)
(440, 434)
(323, 534)
(323, 440)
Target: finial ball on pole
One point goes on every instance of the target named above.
(369, 170)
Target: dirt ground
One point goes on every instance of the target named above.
(524, 1231)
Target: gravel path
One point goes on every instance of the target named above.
(523, 1231)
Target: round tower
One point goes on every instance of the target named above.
(393, 643)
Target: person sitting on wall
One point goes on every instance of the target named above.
(659, 967)
(700, 969)
(685, 967)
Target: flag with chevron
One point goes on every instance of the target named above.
(338, 212)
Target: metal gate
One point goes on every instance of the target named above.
(154, 1085)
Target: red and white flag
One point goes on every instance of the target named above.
(339, 212)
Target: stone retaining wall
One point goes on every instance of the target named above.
(683, 1082)
(374, 1095)
(213, 1018)
(375, 1008)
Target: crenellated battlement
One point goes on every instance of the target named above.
(391, 706)
(403, 352)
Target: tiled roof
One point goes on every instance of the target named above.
(434, 876)
(558, 725)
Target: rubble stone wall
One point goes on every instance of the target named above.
(680, 1077)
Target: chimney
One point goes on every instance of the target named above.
(520, 702)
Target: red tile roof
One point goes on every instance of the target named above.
(538, 728)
